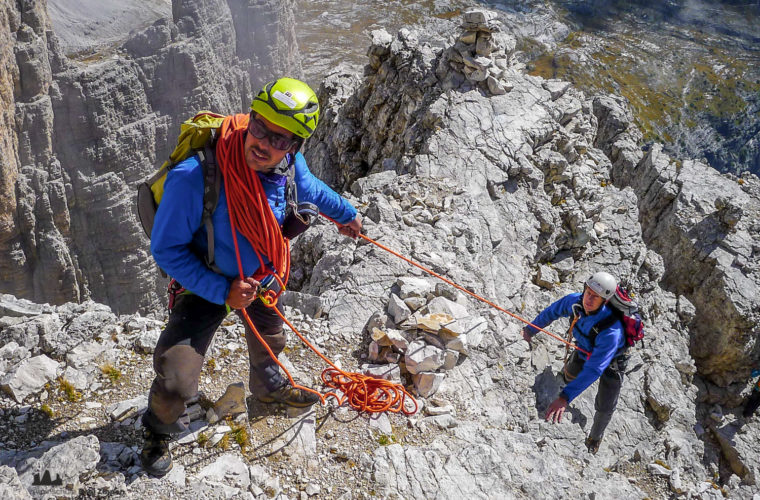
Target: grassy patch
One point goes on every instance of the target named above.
(715, 86)
(662, 464)
(239, 434)
(385, 440)
(111, 372)
(291, 349)
(224, 443)
(448, 14)
(47, 410)
(203, 439)
(68, 390)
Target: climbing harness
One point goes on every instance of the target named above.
(174, 290)
(265, 292)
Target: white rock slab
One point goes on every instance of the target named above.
(421, 357)
(29, 377)
(229, 469)
(427, 383)
(397, 309)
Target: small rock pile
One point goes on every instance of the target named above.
(483, 51)
(425, 332)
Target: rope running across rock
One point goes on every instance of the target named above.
(458, 287)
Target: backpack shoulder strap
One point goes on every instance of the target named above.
(212, 183)
(577, 308)
(603, 325)
(291, 190)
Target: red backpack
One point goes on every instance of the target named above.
(625, 310)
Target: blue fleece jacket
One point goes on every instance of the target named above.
(608, 342)
(179, 243)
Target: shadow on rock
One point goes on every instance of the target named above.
(547, 387)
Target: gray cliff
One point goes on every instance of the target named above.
(81, 133)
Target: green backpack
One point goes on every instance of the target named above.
(197, 136)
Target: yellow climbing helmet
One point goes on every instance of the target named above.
(289, 103)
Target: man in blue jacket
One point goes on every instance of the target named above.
(282, 116)
(597, 330)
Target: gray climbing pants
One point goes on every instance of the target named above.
(610, 383)
(182, 347)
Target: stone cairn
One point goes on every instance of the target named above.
(483, 52)
(424, 332)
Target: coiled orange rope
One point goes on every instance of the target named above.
(250, 213)
(247, 202)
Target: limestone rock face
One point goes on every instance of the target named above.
(705, 226)
(81, 133)
(10, 485)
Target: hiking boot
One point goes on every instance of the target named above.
(593, 445)
(290, 396)
(155, 456)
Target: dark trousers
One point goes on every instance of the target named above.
(181, 349)
(609, 389)
(753, 402)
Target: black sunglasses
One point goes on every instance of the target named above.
(278, 141)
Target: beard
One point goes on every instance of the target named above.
(258, 159)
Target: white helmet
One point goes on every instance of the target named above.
(604, 284)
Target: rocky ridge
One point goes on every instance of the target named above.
(687, 67)
(517, 195)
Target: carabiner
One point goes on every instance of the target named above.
(267, 295)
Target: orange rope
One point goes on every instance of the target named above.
(250, 211)
(432, 273)
(362, 392)
(247, 201)
(570, 335)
